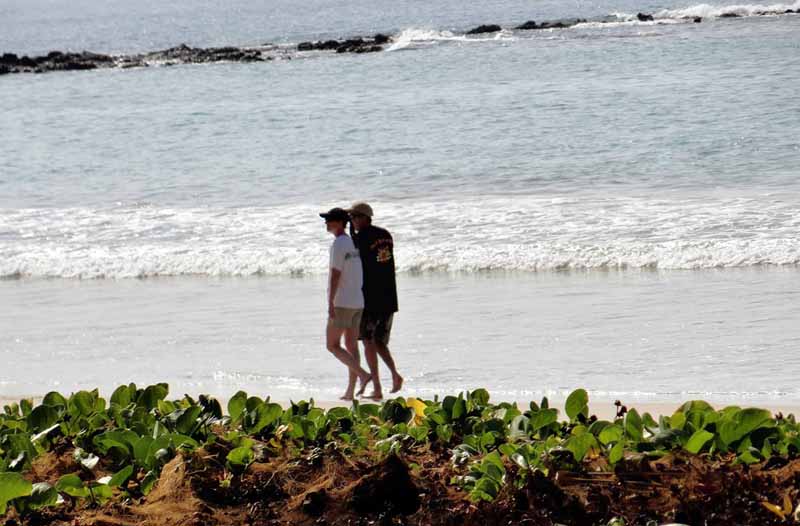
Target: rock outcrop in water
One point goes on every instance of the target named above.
(351, 45)
(530, 24)
(53, 61)
(556, 24)
(183, 54)
(485, 28)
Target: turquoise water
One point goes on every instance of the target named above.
(622, 153)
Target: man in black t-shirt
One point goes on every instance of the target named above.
(380, 294)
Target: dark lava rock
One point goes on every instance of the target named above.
(4, 70)
(381, 39)
(329, 44)
(790, 11)
(184, 54)
(644, 17)
(76, 66)
(9, 58)
(486, 28)
(369, 49)
(55, 61)
(351, 45)
(26, 62)
(698, 19)
(530, 24)
(86, 56)
(730, 15)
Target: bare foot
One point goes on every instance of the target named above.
(397, 383)
(375, 396)
(347, 397)
(363, 384)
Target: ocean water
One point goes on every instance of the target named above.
(612, 206)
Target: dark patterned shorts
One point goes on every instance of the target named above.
(376, 326)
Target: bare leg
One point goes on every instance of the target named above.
(372, 360)
(333, 336)
(386, 356)
(351, 344)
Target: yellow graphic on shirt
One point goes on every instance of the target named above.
(384, 255)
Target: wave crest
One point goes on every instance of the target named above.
(413, 37)
(715, 11)
(524, 234)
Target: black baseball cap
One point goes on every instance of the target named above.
(336, 214)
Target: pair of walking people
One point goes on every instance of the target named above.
(362, 297)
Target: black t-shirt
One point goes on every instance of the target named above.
(377, 258)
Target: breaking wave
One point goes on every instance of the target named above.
(530, 234)
(423, 37)
(418, 37)
(715, 11)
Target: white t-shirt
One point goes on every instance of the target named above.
(346, 259)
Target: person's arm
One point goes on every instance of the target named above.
(337, 265)
(336, 276)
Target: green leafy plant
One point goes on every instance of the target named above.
(12, 486)
(485, 478)
(491, 445)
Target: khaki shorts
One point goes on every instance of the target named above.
(345, 318)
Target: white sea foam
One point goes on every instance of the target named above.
(421, 37)
(417, 36)
(712, 11)
(627, 20)
(682, 15)
(528, 234)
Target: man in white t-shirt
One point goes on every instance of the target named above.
(345, 299)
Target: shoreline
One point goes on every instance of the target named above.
(602, 409)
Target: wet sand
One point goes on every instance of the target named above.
(640, 336)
